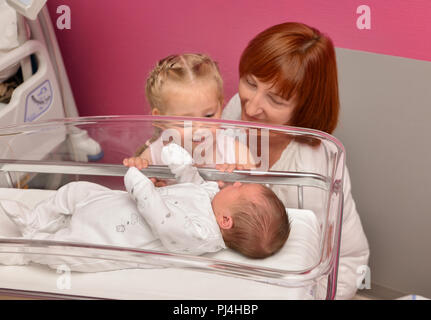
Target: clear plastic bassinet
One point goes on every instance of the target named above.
(38, 158)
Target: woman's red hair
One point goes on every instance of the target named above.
(300, 63)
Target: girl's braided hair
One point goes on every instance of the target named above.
(184, 68)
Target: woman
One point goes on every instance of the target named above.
(288, 76)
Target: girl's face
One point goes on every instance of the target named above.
(261, 103)
(198, 99)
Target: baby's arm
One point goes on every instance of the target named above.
(177, 232)
(181, 164)
(190, 233)
(149, 203)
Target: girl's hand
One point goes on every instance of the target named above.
(141, 163)
(137, 162)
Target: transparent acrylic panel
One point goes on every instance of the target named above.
(39, 158)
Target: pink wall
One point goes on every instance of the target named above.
(113, 44)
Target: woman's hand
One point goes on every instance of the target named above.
(226, 167)
(229, 167)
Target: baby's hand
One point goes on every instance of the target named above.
(159, 183)
(137, 162)
(221, 184)
(173, 154)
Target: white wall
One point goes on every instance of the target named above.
(385, 127)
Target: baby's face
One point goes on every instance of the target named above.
(229, 195)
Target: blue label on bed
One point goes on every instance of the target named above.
(38, 101)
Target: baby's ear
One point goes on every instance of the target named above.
(226, 222)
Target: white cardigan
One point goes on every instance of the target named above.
(299, 157)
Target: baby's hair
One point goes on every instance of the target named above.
(180, 69)
(260, 226)
(184, 68)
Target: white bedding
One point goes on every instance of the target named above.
(300, 252)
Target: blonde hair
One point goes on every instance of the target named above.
(260, 226)
(184, 68)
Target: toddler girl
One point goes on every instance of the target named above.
(187, 85)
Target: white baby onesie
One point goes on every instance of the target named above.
(178, 217)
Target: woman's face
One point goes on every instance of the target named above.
(261, 103)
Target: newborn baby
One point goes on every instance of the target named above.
(192, 216)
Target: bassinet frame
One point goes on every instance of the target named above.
(328, 267)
